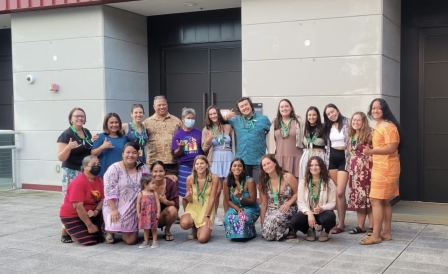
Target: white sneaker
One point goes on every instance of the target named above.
(218, 221)
(144, 245)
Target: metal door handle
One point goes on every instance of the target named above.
(213, 98)
(204, 102)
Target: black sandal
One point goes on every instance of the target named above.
(357, 230)
(66, 239)
(370, 231)
(169, 237)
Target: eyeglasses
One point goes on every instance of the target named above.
(79, 116)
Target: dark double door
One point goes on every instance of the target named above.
(198, 76)
(434, 109)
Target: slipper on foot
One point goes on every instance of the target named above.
(66, 239)
(169, 237)
(336, 230)
(356, 230)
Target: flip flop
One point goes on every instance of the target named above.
(336, 230)
(66, 239)
(369, 241)
(387, 239)
(169, 237)
(357, 230)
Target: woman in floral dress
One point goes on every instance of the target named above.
(359, 167)
(240, 192)
(278, 193)
(121, 186)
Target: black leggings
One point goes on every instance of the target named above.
(327, 219)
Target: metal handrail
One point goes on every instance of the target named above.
(14, 148)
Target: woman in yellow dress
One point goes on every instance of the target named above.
(201, 192)
(385, 171)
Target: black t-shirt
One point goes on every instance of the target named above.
(74, 160)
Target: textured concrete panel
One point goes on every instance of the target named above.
(322, 76)
(49, 115)
(314, 38)
(124, 25)
(126, 85)
(79, 53)
(392, 10)
(123, 108)
(57, 24)
(391, 39)
(82, 84)
(390, 73)
(124, 55)
(268, 11)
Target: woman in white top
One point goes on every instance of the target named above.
(336, 133)
(316, 199)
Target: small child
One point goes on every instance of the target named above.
(148, 210)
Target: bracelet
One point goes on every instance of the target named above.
(96, 210)
(208, 216)
(241, 198)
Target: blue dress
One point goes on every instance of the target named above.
(222, 156)
(241, 226)
(140, 138)
(109, 156)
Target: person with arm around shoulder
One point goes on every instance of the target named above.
(135, 131)
(218, 145)
(186, 145)
(316, 200)
(336, 132)
(359, 168)
(121, 186)
(110, 142)
(201, 192)
(250, 129)
(387, 141)
(81, 211)
(240, 191)
(278, 194)
(285, 137)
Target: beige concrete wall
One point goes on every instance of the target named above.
(318, 52)
(98, 57)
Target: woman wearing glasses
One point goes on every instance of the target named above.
(74, 144)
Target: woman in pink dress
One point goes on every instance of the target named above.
(121, 186)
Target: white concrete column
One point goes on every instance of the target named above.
(319, 52)
(97, 55)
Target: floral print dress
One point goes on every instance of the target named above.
(275, 221)
(242, 225)
(359, 170)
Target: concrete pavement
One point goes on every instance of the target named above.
(30, 243)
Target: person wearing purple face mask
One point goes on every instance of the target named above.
(121, 186)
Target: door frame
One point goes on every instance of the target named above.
(423, 32)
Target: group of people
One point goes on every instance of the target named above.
(130, 177)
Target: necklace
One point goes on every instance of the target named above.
(86, 137)
(139, 136)
(204, 188)
(285, 129)
(241, 189)
(354, 145)
(219, 139)
(275, 195)
(309, 139)
(314, 198)
(127, 173)
(250, 122)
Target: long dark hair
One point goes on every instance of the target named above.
(323, 172)
(106, 120)
(231, 178)
(319, 125)
(388, 116)
(328, 123)
(207, 122)
(157, 163)
(278, 119)
(264, 177)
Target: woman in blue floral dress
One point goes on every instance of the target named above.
(241, 193)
